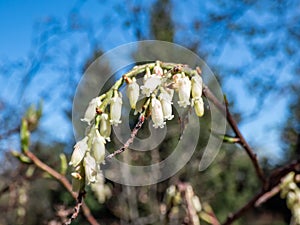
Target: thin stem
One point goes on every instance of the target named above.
(245, 145)
(76, 208)
(134, 132)
(232, 217)
(267, 192)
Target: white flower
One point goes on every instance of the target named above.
(199, 107)
(196, 87)
(184, 91)
(90, 168)
(150, 84)
(165, 98)
(157, 113)
(98, 147)
(79, 152)
(105, 126)
(158, 70)
(90, 112)
(116, 109)
(133, 90)
(166, 94)
(167, 109)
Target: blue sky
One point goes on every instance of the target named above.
(17, 24)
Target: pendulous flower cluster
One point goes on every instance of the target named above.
(160, 83)
(291, 192)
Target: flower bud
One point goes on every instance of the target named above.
(105, 126)
(90, 112)
(90, 168)
(133, 90)
(196, 203)
(196, 86)
(77, 181)
(184, 91)
(79, 152)
(150, 84)
(116, 109)
(98, 147)
(199, 107)
(157, 113)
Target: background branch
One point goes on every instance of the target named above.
(242, 141)
(267, 192)
(64, 181)
(270, 185)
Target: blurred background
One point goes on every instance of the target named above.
(45, 47)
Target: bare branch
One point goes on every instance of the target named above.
(134, 132)
(242, 141)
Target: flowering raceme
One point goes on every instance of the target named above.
(160, 82)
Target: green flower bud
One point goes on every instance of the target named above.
(199, 107)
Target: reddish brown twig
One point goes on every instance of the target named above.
(270, 185)
(76, 208)
(267, 192)
(266, 196)
(134, 132)
(232, 217)
(242, 141)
